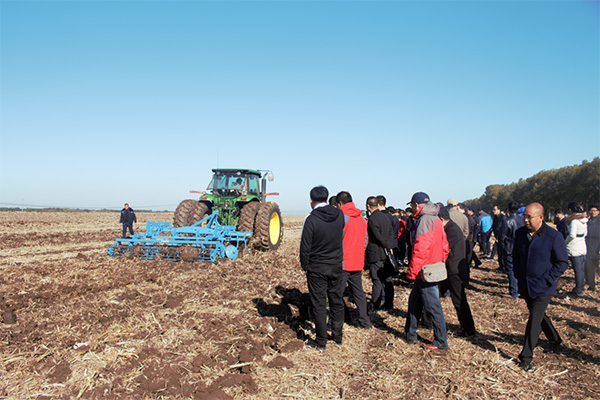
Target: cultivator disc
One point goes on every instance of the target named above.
(206, 240)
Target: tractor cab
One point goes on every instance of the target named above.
(235, 183)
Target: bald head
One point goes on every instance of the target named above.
(534, 217)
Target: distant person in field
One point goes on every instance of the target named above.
(470, 240)
(485, 232)
(592, 242)
(507, 238)
(355, 243)
(540, 258)
(128, 218)
(430, 247)
(576, 248)
(499, 218)
(322, 257)
(456, 265)
(380, 230)
(459, 218)
(561, 222)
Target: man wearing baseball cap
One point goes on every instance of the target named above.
(430, 246)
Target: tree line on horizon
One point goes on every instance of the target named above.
(553, 189)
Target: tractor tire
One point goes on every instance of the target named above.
(197, 212)
(182, 212)
(268, 227)
(248, 216)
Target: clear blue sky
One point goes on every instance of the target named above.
(106, 102)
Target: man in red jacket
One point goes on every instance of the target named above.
(430, 246)
(355, 242)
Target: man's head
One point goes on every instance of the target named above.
(470, 211)
(318, 194)
(418, 201)
(126, 206)
(534, 217)
(333, 201)
(444, 213)
(594, 212)
(462, 208)
(408, 211)
(559, 214)
(513, 207)
(496, 210)
(344, 197)
(372, 204)
(381, 202)
(452, 202)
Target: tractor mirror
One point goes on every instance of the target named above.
(270, 177)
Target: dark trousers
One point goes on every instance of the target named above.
(591, 266)
(354, 280)
(383, 285)
(327, 284)
(538, 321)
(484, 242)
(127, 225)
(456, 285)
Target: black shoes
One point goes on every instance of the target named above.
(409, 341)
(553, 348)
(525, 365)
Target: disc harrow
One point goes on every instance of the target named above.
(206, 240)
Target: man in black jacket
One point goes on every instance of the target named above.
(507, 238)
(128, 218)
(456, 265)
(379, 229)
(322, 257)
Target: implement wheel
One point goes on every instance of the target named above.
(268, 227)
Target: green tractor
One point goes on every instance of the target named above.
(240, 197)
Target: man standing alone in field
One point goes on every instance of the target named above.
(540, 258)
(355, 242)
(321, 256)
(128, 218)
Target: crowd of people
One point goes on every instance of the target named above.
(436, 244)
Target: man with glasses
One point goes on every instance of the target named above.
(540, 258)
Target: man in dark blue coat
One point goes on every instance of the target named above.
(540, 258)
(322, 257)
(128, 218)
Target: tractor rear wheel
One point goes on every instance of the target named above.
(197, 212)
(247, 217)
(268, 227)
(182, 212)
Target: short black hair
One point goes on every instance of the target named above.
(462, 206)
(333, 201)
(319, 194)
(344, 197)
(372, 201)
(444, 213)
(513, 207)
(575, 207)
(381, 200)
(593, 206)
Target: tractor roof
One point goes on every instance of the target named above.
(236, 170)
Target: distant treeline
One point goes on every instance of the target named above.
(68, 210)
(553, 189)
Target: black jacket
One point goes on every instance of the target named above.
(321, 242)
(393, 239)
(497, 224)
(507, 233)
(127, 215)
(379, 229)
(456, 263)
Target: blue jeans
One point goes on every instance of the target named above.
(577, 263)
(426, 296)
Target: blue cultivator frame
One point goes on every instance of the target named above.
(206, 240)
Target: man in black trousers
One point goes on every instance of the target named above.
(539, 258)
(379, 230)
(322, 257)
(456, 266)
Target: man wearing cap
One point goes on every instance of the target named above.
(459, 218)
(430, 246)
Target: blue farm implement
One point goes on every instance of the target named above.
(206, 240)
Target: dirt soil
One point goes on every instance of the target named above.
(77, 324)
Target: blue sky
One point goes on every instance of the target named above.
(106, 102)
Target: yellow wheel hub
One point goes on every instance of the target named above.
(274, 228)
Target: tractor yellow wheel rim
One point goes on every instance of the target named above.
(274, 228)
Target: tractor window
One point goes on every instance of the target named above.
(227, 184)
(253, 185)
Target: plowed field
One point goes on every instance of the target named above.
(79, 324)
